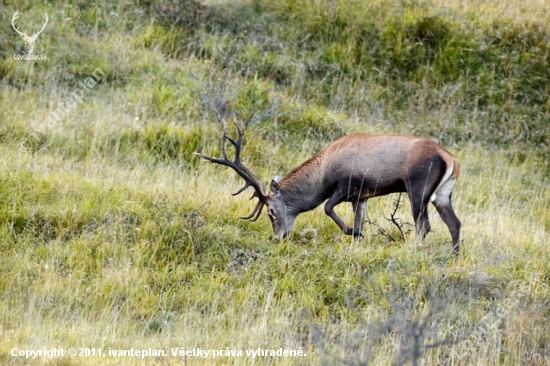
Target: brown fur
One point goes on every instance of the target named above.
(360, 166)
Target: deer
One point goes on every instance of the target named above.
(353, 169)
(29, 41)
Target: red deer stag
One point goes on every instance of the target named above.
(353, 169)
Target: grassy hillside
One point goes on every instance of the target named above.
(114, 235)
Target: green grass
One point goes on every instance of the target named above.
(114, 235)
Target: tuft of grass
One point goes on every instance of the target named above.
(114, 235)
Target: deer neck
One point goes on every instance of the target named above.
(303, 187)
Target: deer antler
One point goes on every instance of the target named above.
(13, 19)
(249, 178)
(29, 41)
(24, 34)
(35, 33)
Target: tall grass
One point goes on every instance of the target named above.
(113, 235)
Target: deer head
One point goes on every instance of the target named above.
(29, 40)
(281, 216)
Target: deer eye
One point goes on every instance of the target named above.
(271, 212)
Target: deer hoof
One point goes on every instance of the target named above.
(357, 234)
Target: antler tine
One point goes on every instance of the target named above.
(13, 19)
(255, 213)
(259, 213)
(246, 185)
(224, 154)
(45, 16)
(216, 160)
(237, 144)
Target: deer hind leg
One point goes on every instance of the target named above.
(420, 215)
(442, 202)
(338, 197)
(421, 186)
(419, 205)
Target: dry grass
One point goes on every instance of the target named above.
(113, 235)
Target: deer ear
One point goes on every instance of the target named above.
(274, 186)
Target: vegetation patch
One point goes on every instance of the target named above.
(115, 235)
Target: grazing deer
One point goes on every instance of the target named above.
(29, 40)
(353, 169)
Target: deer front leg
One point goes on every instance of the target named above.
(337, 198)
(359, 211)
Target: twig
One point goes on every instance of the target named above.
(394, 220)
(381, 230)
